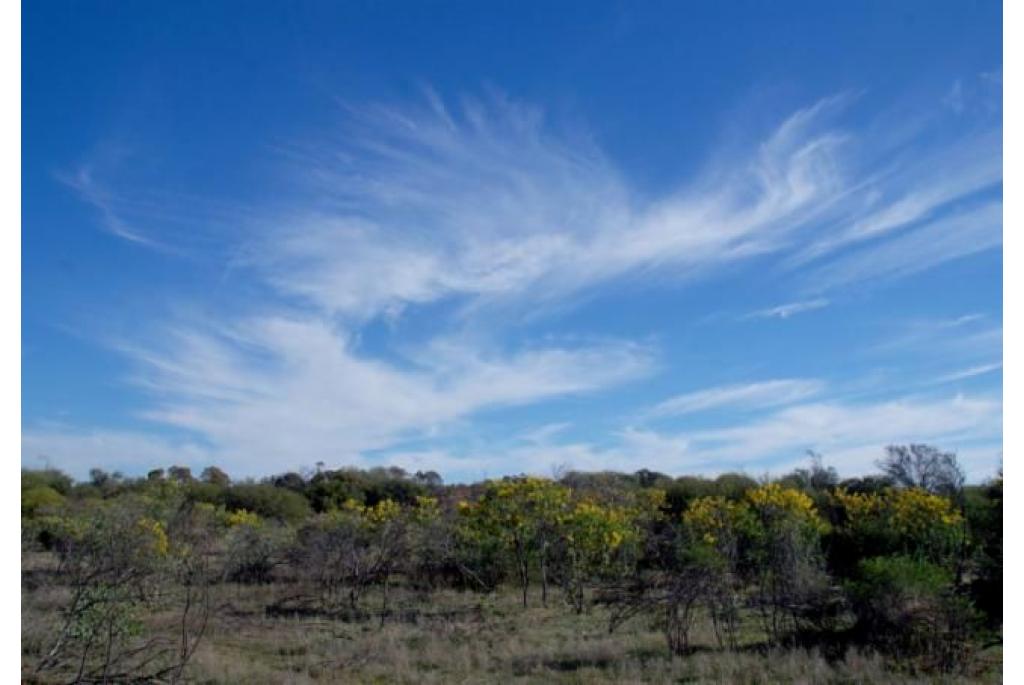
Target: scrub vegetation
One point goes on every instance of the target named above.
(386, 576)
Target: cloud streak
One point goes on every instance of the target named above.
(784, 311)
(964, 233)
(742, 396)
(850, 435)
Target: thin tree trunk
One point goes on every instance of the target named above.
(544, 574)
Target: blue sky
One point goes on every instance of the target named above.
(490, 238)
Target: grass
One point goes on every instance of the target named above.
(469, 638)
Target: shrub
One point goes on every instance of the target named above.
(267, 501)
(39, 498)
(907, 607)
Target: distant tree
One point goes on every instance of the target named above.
(650, 479)
(329, 490)
(215, 476)
(925, 467)
(51, 478)
(816, 478)
(290, 481)
(99, 477)
(402, 490)
(867, 485)
(734, 485)
(155, 475)
(431, 479)
(180, 474)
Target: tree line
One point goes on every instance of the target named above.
(907, 562)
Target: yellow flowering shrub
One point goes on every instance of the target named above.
(157, 542)
(910, 519)
(773, 501)
(382, 512)
(242, 517)
(714, 520)
(914, 511)
(597, 528)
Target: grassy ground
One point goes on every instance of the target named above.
(469, 638)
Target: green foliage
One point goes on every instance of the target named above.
(254, 547)
(984, 511)
(905, 578)
(59, 482)
(684, 490)
(734, 485)
(39, 498)
(907, 606)
(267, 501)
(110, 612)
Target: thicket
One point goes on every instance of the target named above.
(907, 563)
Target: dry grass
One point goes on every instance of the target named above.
(491, 639)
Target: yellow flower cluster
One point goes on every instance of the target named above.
(158, 544)
(859, 506)
(914, 511)
(909, 512)
(591, 523)
(383, 511)
(351, 511)
(774, 500)
(712, 517)
(242, 517)
(426, 509)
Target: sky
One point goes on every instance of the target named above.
(498, 238)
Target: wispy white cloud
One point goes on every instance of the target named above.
(744, 396)
(954, 99)
(284, 386)
(83, 182)
(917, 332)
(484, 202)
(964, 233)
(828, 427)
(910, 192)
(851, 436)
(784, 311)
(487, 205)
(971, 372)
(543, 434)
(483, 205)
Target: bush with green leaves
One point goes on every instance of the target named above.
(267, 501)
(909, 607)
